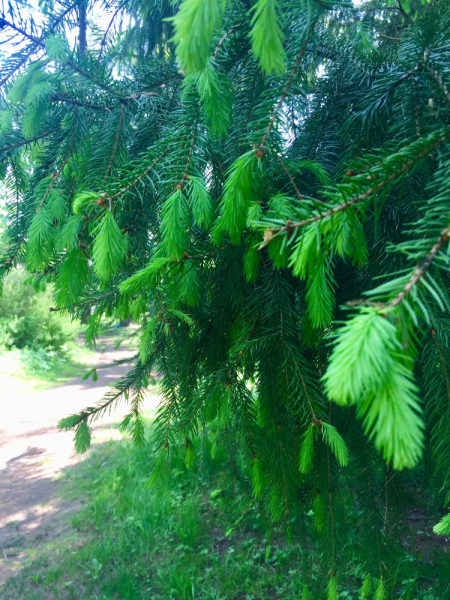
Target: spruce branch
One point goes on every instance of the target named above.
(191, 151)
(29, 140)
(85, 302)
(291, 179)
(67, 100)
(288, 83)
(224, 37)
(103, 42)
(443, 361)
(421, 269)
(31, 51)
(60, 170)
(439, 80)
(141, 176)
(289, 227)
(116, 141)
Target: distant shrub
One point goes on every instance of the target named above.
(25, 318)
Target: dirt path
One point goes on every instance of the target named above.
(33, 453)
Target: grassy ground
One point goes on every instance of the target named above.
(187, 538)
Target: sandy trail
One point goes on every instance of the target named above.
(33, 452)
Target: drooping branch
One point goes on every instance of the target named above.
(141, 176)
(288, 83)
(290, 226)
(116, 141)
(421, 269)
(29, 140)
(60, 170)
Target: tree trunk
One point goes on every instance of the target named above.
(82, 24)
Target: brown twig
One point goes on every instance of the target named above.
(60, 170)
(29, 141)
(116, 141)
(288, 83)
(341, 207)
(421, 269)
(300, 197)
(141, 176)
(224, 37)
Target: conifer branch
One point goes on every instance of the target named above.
(191, 150)
(443, 361)
(421, 269)
(141, 176)
(84, 302)
(224, 37)
(439, 80)
(17, 67)
(103, 42)
(291, 179)
(22, 32)
(116, 141)
(31, 51)
(55, 177)
(29, 140)
(288, 83)
(67, 100)
(289, 227)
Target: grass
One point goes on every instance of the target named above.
(189, 537)
(29, 370)
(32, 369)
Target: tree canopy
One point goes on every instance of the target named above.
(264, 186)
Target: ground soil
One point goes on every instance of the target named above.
(34, 453)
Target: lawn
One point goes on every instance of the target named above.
(193, 535)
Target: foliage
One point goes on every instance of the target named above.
(266, 190)
(25, 319)
(191, 537)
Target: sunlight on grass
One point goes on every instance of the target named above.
(190, 536)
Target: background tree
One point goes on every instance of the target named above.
(264, 186)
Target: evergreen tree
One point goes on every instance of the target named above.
(265, 187)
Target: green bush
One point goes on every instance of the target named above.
(25, 318)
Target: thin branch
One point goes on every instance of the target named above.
(84, 303)
(300, 197)
(191, 150)
(103, 43)
(116, 141)
(422, 268)
(22, 32)
(289, 81)
(66, 99)
(137, 96)
(29, 141)
(52, 28)
(224, 37)
(438, 78)
(147, 170)
(55, 178)
(341, 207)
